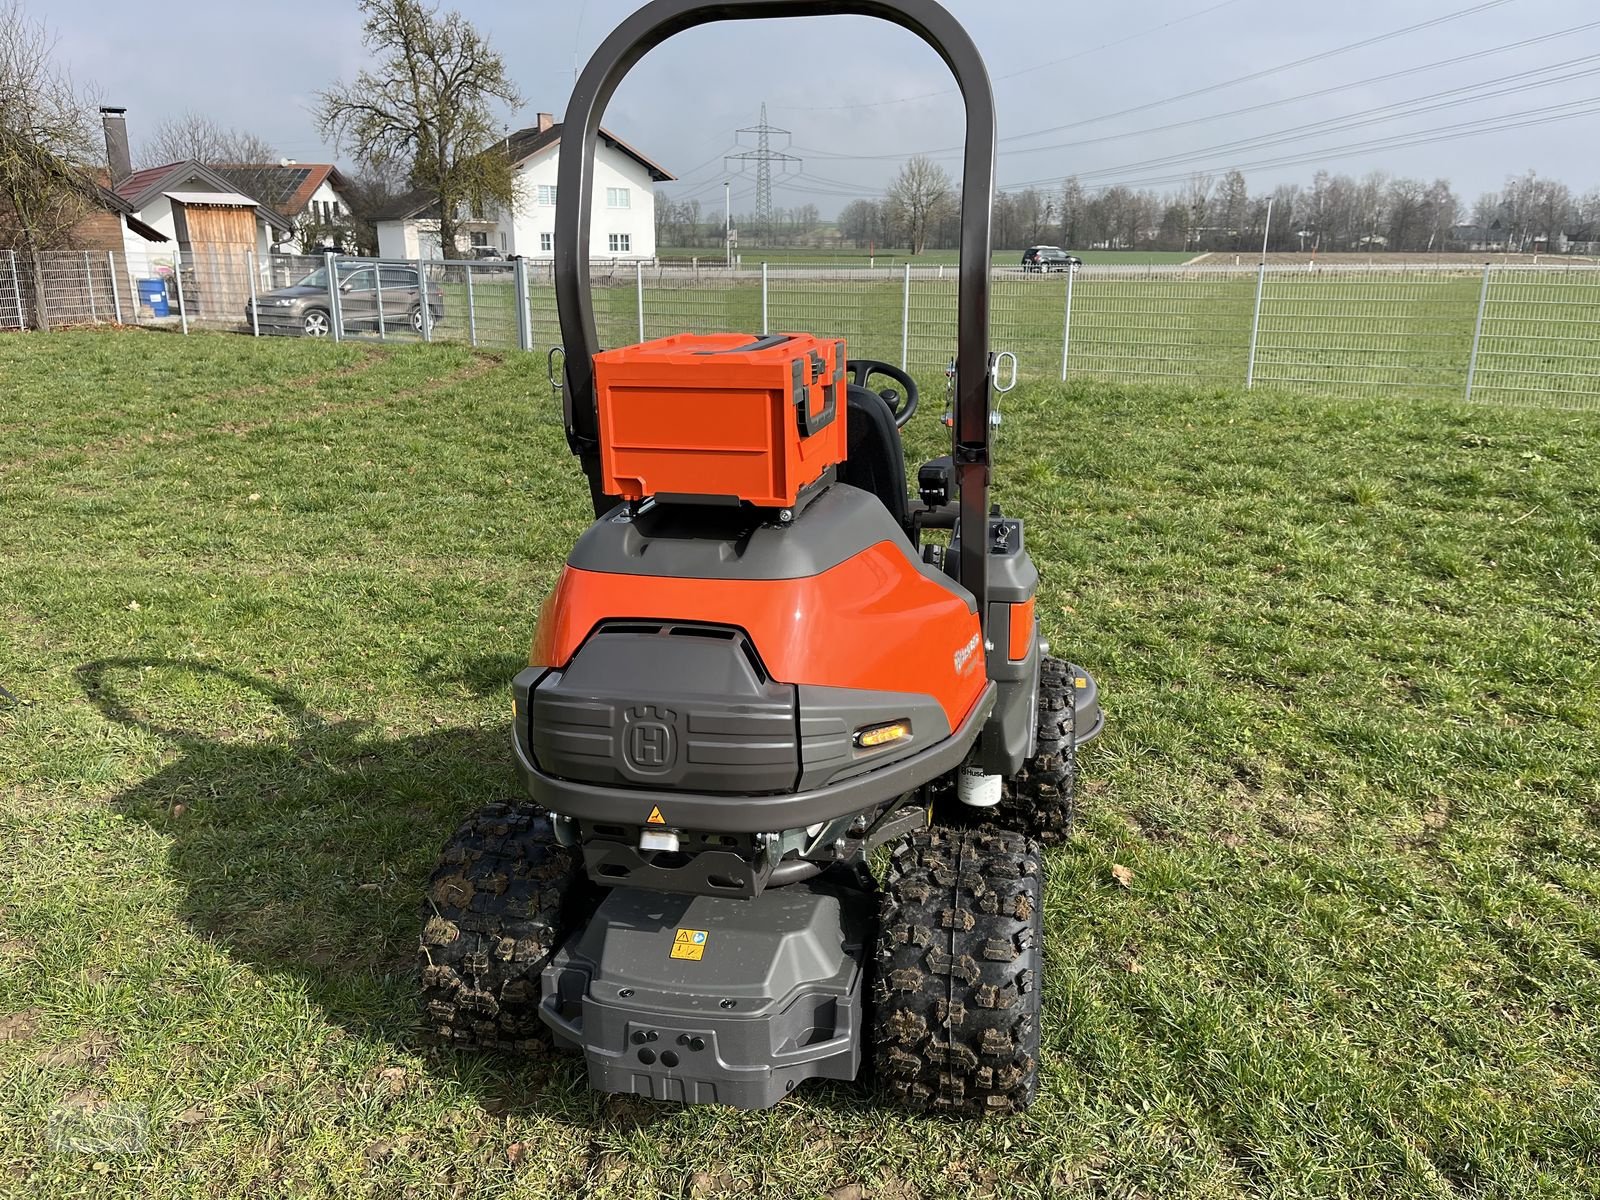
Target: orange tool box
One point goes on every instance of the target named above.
(721, 415)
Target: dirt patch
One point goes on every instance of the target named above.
(19, 1027)
(94, 1048)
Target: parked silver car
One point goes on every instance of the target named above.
(304, 307)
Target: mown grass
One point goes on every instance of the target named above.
(260, 604)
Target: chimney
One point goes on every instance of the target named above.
(545, 121)
(116, 126)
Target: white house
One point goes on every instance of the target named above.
(622, 219)
(313, 197)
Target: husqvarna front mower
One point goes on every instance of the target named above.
(752, 673)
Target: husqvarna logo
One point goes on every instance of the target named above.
(966, 657)
(649, 741)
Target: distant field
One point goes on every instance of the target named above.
(1473, 258)
(797, 256)
(1349, 332)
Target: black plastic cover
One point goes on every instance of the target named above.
(666, 706)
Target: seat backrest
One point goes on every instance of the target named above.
(876, 460)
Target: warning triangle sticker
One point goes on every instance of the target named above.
(655, 817)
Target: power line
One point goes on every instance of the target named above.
(1484, 6)
(1441, 133)
(1054, 62)
(1415, 106)
(1253, 108)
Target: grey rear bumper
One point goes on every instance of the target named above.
(743, 813)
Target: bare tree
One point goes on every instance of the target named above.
(862, 222)
(371, 191)
(48, 145)
(916, 198)
(1197, 199)
(428, 102)
(1403, 204)
(1072, 209)
(198, 137)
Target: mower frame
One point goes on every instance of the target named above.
(616, 56)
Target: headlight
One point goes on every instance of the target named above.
(284, 303)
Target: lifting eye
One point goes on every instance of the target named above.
(869, 737)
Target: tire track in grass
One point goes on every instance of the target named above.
(110, 447)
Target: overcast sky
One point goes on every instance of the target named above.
(853, 87)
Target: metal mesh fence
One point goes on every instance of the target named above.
(1539, 338)
(1185, 325)
(1356, 333)
(1505, 334)
(11, 310)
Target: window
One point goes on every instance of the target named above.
(480, 239)
(398, 277)
(546, 243)
(360, 281)
(617, 198)
(547, 195)
(502, 241)
(336, 212)
(621, 243)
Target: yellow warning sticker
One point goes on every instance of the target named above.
(690, 944)
(655, 817)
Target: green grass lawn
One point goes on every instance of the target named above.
(260, 604)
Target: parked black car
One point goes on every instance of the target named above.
(1048, 258)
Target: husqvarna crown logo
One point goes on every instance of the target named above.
(649, 740)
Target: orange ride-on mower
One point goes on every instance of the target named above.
(751, 674)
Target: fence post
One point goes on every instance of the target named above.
(111, 274)
(424, 311)
(764, 321)
(1477, 329)
(1255, 328)
(335, 312)
(177, 283)
(638, 283)
(905, 321)
(1066, 325)
(255, 317)
(16, 289)
(377, 279)
(88, 277)
(472, 311)
(524, 315)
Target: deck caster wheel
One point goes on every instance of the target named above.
(958, 973)
(500, 902)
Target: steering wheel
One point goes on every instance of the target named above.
(902, 403)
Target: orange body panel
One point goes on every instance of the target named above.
(1021, 630)
(698, 415)
(874, 621)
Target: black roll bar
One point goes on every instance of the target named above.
(617, 55)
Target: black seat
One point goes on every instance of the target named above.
(877, 460)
